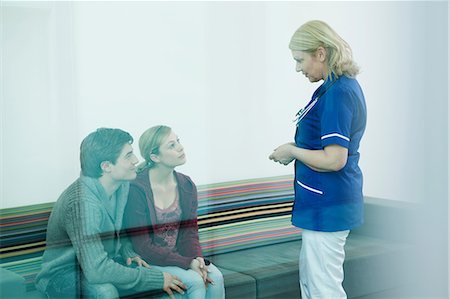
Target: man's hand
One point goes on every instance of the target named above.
(173, 283)
(138, 260)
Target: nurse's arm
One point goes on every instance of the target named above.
(331, 158)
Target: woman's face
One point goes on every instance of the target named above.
(312, 65)
(171, 152)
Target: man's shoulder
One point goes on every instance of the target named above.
(77, 193)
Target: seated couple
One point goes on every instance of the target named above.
(88, 256)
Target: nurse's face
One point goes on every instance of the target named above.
(312, 65)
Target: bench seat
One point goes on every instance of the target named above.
(371, 266)
(245, 230)
(271, 271)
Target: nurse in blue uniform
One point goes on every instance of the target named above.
(328, 181)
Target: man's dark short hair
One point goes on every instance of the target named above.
(104, 144)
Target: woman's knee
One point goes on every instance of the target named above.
(195, 281)
(216, 275)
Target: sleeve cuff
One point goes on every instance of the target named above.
(335, 138)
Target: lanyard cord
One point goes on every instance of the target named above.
(302, 112)
(326, 89)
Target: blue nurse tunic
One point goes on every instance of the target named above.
(331, 201)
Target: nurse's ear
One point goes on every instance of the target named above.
(321, 54)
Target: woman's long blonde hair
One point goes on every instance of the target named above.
(149, 144)
(314, 34)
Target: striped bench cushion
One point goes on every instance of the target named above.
(245, 214)
(232, 216)
(22, 239)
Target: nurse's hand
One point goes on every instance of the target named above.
(283, 154)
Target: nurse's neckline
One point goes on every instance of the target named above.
(324, 85)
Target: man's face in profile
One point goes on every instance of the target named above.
(125, 167)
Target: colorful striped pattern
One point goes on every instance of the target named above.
(245, 214)
(22, 239)
(232, 216)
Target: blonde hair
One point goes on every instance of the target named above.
(149, 144)
(314, 34)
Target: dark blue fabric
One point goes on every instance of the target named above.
(331, 201)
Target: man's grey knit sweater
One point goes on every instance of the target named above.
(83, 230)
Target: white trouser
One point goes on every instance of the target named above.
(321, 264)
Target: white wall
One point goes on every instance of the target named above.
(221, 75)
(39, 130)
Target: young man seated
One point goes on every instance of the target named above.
(85, 254)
